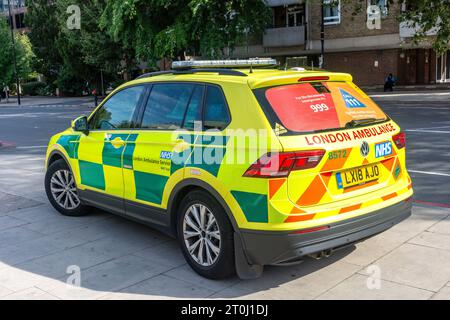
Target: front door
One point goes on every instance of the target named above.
(100, 152)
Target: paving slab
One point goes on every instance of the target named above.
(372, 249)
(443, 294)
(163, 287)
(17, 235)
(7, 222)
(355, 288)
(303, 281)
(185, 273)
(30, 294)
(416, 266)
(4, 291)
(13, 202)
(110, 276)
(42, 212)
(18, 278)
(167, 253)
(433, 240)
(442, 226)
(85, 256)
(26, 251)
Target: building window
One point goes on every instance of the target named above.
(331, 12)
(443, 67)
(295, 16)
(382, 4)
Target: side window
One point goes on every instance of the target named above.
(117, 112)
(216, 115)
(166, 106)
(194, 111)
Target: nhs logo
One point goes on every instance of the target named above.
(383, 149)
(166, 155)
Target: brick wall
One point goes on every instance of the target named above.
(356, 61)
(352, 25)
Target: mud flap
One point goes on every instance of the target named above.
(243, 269)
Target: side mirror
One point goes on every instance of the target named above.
(80, 124)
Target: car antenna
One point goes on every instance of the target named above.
(251, 67)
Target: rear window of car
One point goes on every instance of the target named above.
(317, 106)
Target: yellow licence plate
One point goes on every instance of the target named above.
(357, 176)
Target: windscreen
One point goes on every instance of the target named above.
(318, 106)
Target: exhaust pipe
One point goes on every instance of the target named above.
(321, 254)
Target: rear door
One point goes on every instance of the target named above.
(355, 134)
(151, 156)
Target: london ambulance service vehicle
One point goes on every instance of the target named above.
(246, 165)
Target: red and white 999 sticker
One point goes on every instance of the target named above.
(300, 107)
(319, 107)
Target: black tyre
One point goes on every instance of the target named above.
(206, 236)
(62, 191)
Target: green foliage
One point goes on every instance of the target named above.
(24, 56)
(6, 66)
(68, 82)
(170, 28)
(426, 15)
(33, 88)
(41, 17)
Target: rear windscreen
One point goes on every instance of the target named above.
(317, 106)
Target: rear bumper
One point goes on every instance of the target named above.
(263, 248)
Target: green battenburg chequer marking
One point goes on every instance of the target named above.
(208, 155)
(129, 151)
(70, 143)
(179, 158)
(149, 187)
(112, 156)
(253, 205)
(92, 174)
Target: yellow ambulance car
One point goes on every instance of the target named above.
(245, 164)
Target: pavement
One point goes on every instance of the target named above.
(44, 255)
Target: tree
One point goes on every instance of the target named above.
(426, 15)
(6, 62)
(41, 17)
(24, 56)
(170, 28)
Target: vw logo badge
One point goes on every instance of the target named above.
(365, 149)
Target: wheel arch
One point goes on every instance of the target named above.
(186, 186)
(56, 155)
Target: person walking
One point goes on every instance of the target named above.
(94, 92)
(6, 91)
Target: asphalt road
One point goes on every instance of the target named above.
(425, 117)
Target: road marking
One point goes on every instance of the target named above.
(410, 94)
(433, 204)
(427, 131)
(432, 128)
(430, 173)
(425, 108)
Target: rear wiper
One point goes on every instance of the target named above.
(362, 122)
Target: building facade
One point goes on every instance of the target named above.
(355, 41)
(18, 10)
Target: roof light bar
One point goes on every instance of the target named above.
(224, 63)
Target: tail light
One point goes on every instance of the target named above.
(400, 140)
(280, 164)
